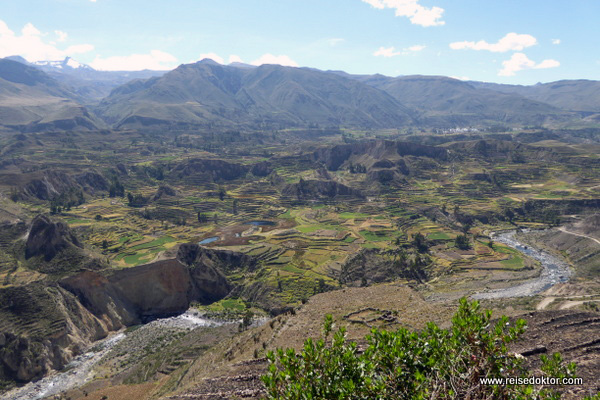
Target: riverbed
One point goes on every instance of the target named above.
(81, 369)
(554, 270)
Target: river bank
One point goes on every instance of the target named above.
(554, 270)
(81, 369)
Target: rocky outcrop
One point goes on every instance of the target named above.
(53, 249)
(375, 266)
(133, 295)
(49, 185)
(164, 190)
(314, 189)
(213, 170)
(98, 295)
(169, 287)
(52, 184)
(218, 170)
(261, 169)
(92, 182)
(385, 176)
(47, 238)
(194, 255)
(334, 157)
(42, 327)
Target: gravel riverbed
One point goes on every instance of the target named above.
(554, 270)
(81, 369)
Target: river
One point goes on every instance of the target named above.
(81, 369)
(554, 270)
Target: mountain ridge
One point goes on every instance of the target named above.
(209, 95)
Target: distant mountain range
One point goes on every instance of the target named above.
(31, 100)
(70, 95)
(90, 84)
(208, 93)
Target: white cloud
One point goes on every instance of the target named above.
(418, 14)
(213, 56)
(235, 59)
(461, 78)
(392, 52)
(334, 41)
(62, 36)
(155, 60)
(511, 42)
(283, 60)
(387, 52)
(30, 44)
(4, 30)
(555, 41)
(417, 47)
(519, 62)
(547, 64)
(30, 30)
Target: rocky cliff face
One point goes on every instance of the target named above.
(44, 324)
(314, 189)
(164, 191)
(193, 256)
(373, 151)
(53, 183)
(53, 249)
(42, 327)
(47, 238)
(374, 266)
(217, 170)
(134, 295)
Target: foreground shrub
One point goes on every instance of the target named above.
(434, 363)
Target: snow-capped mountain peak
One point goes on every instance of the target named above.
(68, 62)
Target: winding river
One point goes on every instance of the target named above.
(80, 370)
(554, 271)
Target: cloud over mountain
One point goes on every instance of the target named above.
(519, 62)
(511, 42)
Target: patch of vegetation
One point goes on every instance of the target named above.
(515, 262)
(462, 242)
(376, 236)
(439, 236)
(435, 362)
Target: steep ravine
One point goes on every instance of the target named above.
(81, 369)
(47, 324)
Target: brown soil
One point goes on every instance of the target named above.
(574, 334)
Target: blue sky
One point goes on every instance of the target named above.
(508, 41)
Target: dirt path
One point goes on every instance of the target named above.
(563, 229)
(544, 303)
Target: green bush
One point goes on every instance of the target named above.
(433, 363)
(462, 242)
